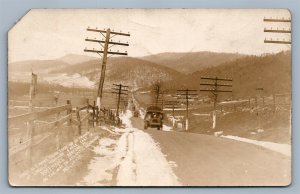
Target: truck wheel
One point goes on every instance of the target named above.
(158, 128)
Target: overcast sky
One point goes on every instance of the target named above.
(50, 34)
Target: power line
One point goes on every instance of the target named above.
(105, 44)
(119, 89)
(277, 30)
(173, 104)
(277, 19)
(215, 87)
(187, 93)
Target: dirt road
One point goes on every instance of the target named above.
(214, 161)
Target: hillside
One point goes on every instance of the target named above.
(127, 70)
(37, 66)
(75, 59)
(271, 72)
(191, 62)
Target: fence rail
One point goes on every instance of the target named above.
(37, 115)
(35, 133)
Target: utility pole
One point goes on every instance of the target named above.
(30, 124)
(187, 95)
(161, 100)
(106, 44)
(157, 90)
(119, 90)
(258, 95)
(173, 105)
(278, 30)
(124, 101)
(215, 88)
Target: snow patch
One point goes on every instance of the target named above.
(167, 128)
(145, 92)
(125, 117)
(173, 164)
(260, 130)
(109, 130)
(126, 174)
(199, 114)
(218, 133)
(100, 168)
(277, 147)
(69, 80)
(139, 158)
(144, 164)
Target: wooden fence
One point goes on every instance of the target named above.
(37, 126)
(271, 103)
(62, 120)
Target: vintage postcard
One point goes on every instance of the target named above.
(150, 97)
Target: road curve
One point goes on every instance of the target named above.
(204, 160)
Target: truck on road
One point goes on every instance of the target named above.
(154, 117)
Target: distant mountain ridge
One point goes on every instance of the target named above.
(75, 58)
(128, 70)
(48, 65)
(191, 62)
(38, 66)
(270, 71)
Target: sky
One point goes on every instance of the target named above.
(44, 34)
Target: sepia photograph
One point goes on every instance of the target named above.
(150, 98)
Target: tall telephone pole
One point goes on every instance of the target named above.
(215, 88)
(278, 30)
(119, 90)
(106, 44)
(187, 95)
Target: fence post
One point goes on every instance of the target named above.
(256, 103)
(94, 107)
(88, 112)
(249, 101)
(97, 116)
(28, 153)
(30, 124)
(58, 134)
(78, 118)
(274, 103)
(69, 111)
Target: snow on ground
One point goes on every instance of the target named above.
(218, 133)
(126, 118)
(109, 130)
(260, 130)
(69, 80)
(167, 128)
(144, 163)
(199, 114)
(100, 168)
(142, 113)
(277, 147)
(151, 166)
(145, 92)
(135, 158)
